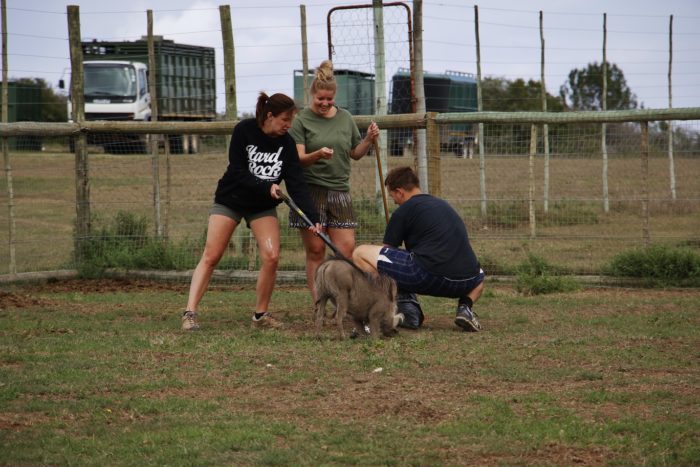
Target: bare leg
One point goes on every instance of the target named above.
(219, 233)
(315, 254)
(365, 257)
(476, 292)
(267, 234)
(344, 239)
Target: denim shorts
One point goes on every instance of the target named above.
(410, 276)
(222, 210)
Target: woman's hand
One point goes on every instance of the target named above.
(372, 132)
(273, 191)
(325, 153)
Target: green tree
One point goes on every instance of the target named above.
(53, 106)
(502, 95)
(584, 89)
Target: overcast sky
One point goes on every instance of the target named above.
(267, 39)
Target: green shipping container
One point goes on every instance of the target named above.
(355, 90)
(185, 74)
(24, 104)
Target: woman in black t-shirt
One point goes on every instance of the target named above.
(261, 155)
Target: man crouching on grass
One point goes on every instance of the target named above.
(438, 259)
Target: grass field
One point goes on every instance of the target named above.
(99, 373)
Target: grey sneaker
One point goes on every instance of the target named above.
(266, 321)
(467, 319)
(189, 321)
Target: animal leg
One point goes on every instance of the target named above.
(341, 309)
(319, 315)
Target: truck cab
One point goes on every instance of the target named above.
(115, 90)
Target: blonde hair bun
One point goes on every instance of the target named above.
(324, 72)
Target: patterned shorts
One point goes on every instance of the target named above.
(410, 276)
(334, 209)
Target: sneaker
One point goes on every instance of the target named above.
(467, 319)
(408, 306)
(266, 321)
(189, 321)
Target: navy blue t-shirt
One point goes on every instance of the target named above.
(433, 231)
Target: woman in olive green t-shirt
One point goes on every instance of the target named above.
(327, 138)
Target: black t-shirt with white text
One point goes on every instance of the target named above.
(256, 161)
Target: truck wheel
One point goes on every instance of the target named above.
(175, 144)
(194, 144)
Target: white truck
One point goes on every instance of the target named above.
(116, 88)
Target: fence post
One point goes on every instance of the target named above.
(531, 178)
(231, 103)
(545, 127)
(671, 167)
(155, 160)
(432, 133)
(421, 143)
(380, 147)
(229, 62)
(604, 127)
(12, 266)
(304, 56)
(644, 155)
(479, 106)
(82, 169)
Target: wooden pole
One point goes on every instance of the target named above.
(545, 127)
(480, 108)
(531, 178)
(671, 165)
(421, 161)
(644, 155)
(229, 62)
(604, 126)
(304, 56)
(12, 265)
(230, 86)
(432, 131)
(82, 169)
(381, 177)
(155, 160)
(380, 146)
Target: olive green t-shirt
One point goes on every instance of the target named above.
(339, 133)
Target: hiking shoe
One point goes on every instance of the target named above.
(266, 321)
(466, 319)
(408, 306)
(189, 321)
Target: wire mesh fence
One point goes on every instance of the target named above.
(574, 231)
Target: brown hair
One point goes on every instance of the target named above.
(323, 79)
(276, 104)
(402, 177)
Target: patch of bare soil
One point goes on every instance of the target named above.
(19, 300)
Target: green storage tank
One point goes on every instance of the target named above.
(355, 90)
(185, 74)
(24, 104)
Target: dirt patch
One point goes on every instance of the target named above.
(20, 300)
